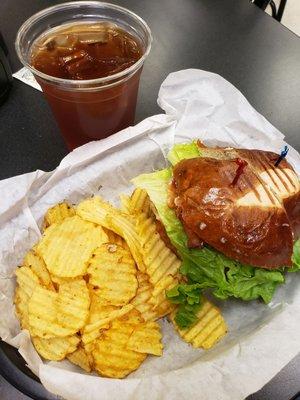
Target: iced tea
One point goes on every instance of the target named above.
(88, 51)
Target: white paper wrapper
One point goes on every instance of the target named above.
(24, 75)
(261, 339)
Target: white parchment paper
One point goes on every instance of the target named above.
(261, 339)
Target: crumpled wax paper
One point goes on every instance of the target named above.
(261, 339)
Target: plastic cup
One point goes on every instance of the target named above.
(91, 109)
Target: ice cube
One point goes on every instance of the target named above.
(50, 45)
(77, 55)
(60, 42)
(121, 67)
(100, 37)
(79, 66)
(130, 47)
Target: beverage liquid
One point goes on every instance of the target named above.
(83, 52)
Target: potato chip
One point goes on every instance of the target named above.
(81, 358)
(162, 265)
(207, 331)
(67, 247)
(73, 302)
(57, 214)
(146, 338)
(56, 349)
(114, 238)
(125, 203)
(97, 312)
(142, 297)
(21, 307)
(111, 356)
(112, 270)
(95, 210)
(27, 280)
(139, 202)
(100, 212)
(37, 265)
(92, 330)
(42, 315)
(58, 314)
(125, 225)
(160, 261)
(161, 305)
(57, 280)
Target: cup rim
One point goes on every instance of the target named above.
(72, 82)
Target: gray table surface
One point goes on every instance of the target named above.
(230, 37)
(8, 392)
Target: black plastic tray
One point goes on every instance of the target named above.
(14, 370)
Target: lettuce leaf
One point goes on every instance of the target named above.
(183, 151)
(189, 298)
(296, 258)
(186, 315)
(206, 268)
(185, 293)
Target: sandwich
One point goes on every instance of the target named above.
(232, 216)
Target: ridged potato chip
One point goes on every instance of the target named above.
(111, 356)
(114, 238)
(146, 303)
(58, 280)
(81, 358)
(57, 214)
(207, 331)
(21, 307)
(100, 212)
(73, 302)
(139, 202)
(57, 348)
(67, 247)
(58, 314)
(42, 315)
(27, 280)
(161, 305)
(112, 272)
(162, 265)
(125, 203)
(141, 301)
(146, 338)
(95, 210)
(102, 321)
(125, 225)
(37, 265)
(97, 312)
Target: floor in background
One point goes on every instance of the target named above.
(291, 15)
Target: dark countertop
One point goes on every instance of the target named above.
(230, 37)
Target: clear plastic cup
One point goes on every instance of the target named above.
(87, 109)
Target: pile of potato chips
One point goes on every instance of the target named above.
(92, 289)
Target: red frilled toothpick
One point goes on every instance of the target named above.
(241, 165)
